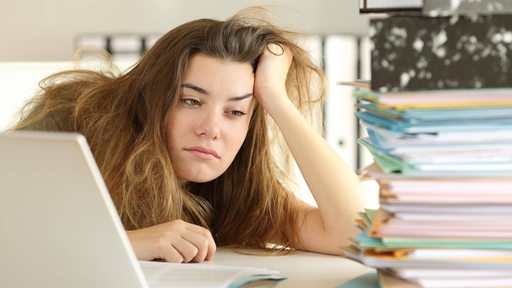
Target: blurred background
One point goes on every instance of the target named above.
(47, 30)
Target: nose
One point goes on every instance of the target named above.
(210, 124)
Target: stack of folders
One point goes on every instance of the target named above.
(442, 150)
(445, 188)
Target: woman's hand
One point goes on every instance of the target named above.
(270, 78)
(332, 182)
(176, 241)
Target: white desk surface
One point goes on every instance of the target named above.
(303, 269)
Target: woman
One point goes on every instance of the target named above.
(186, 146)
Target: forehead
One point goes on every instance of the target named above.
(215, 74)
(201, 63)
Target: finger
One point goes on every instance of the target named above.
(202, 243)
(186, 249)
(170, 253)
(275, 49)
(210, 245)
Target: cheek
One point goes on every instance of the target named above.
(171, 133)
(239, 136)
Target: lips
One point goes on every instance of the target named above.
(203, 152)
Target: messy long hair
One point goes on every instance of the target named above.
(123, 118)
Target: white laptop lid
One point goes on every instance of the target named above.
(58, 224)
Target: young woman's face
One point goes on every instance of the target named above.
(209, 124)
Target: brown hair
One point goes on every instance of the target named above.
(123, 118)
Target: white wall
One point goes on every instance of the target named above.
(44, 30)
(19, 82)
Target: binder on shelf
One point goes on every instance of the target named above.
(413, 52)
(373, 6)
(437, 8)
(126, 44)
(466, 7)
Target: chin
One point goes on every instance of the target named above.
(201, 178)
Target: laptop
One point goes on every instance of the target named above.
(59, 226)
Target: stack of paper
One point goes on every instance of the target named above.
(433, 140)
(445, 178)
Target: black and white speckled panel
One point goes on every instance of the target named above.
(417, 53)
(452, 7)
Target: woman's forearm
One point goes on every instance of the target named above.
(334, 185)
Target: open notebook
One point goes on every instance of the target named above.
(59, 226)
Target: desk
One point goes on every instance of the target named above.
(303, 269)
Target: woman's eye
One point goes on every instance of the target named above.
(190, 101)
(237, 113)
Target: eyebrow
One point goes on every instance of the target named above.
(205, 92)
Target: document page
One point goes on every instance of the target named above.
(161, 274)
